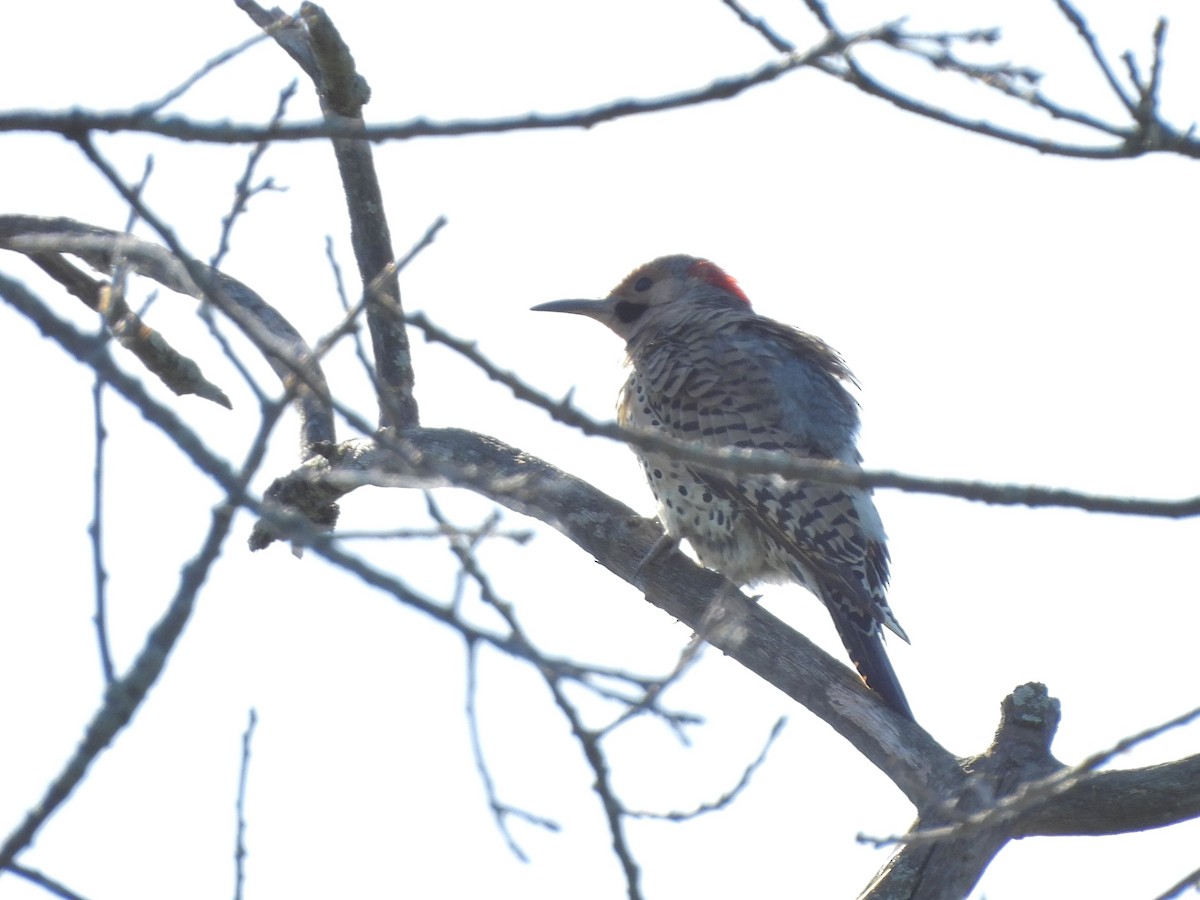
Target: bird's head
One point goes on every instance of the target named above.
(670, 290)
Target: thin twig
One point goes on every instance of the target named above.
(1188, 883)
(127, 693)
(153, 107)
(93, 352)
(1075, 18)
(1148, 106)
(280, 343)
(347, 326)
(45, 882)
(171, 240)
(653, 693)
(239, 845)
(343, 92)
(582, 673)
(500, 811)
(614, 810)
(757, 461)
(1036, 792)
(96, 533)
(243, 191)
(518, 536)
(772, 37)
(79, 121)
(818, 9)
(181, 374)
(726, 798)
(833, 57)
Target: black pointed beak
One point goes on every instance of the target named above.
(595, 309)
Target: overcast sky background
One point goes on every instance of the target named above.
(1011, 317)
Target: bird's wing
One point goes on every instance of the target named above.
(832, 533)
(790, 398)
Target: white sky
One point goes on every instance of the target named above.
(1011, 317)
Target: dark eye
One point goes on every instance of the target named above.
(627, 311)
(643, 283)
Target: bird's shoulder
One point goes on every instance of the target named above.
(749, 382)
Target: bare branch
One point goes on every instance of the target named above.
(951, 866)
(1112, 805)
(833, 57)
(389, 273)
(271, 333)
(729, 796)
(153, 107)
(518, 536)
(974, 806)
(772, 37)
(652, 689)
(125, 696)
(45, 882)
(756, 461)
(96, 533)
(343, 92)
(1146, 132)
(618, 539)
(180, 374)
(287, 31)
(1073, 16)
(76, 122)
(653, 692)
(500, 811)
(1189, 882)
(1148, 113)
(239, 845)
(93, 352)
(352, 313)
(243, 191)
(614, 810)
(260, 322)
(309, 500)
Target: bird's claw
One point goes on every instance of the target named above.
(663, 545)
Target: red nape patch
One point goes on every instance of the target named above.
(718, 277)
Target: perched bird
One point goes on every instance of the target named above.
(708, 368)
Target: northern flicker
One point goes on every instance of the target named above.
(705, 367)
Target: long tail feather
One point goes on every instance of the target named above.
(870, 658)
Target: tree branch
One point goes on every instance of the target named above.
(758, 461)
(280, 343)
(343, 93)
(77, 121)
(619, 539)
(1146, 133)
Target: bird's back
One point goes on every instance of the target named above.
(750, 382)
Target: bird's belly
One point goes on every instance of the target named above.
(722, 538)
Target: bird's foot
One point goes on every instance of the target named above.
(663, 545)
